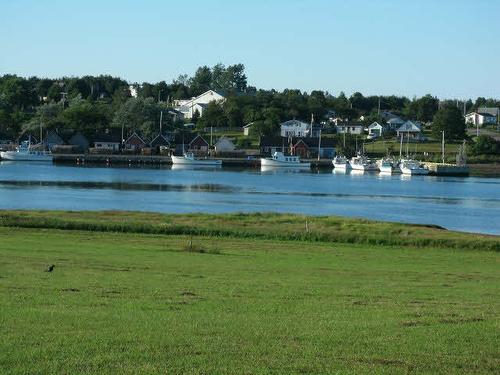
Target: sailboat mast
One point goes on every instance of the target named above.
(401, 147)
(407, 144)
(442, 147)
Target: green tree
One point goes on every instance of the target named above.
(202, 81)
(213, 116)
(449, 119)
(485, 145)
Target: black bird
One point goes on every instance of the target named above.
(50, 268)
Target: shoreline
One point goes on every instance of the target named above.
(475, 170)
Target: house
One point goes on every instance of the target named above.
(134, 143)
(190, 106)
(376, 129)
(395, 123)
(224, 144)
(305, 147)
(53, 139)
(295, 128)
(493, 111)
(387, 115)
(160, 144)
(246, 129)
(480, 118)
(410, 130)
(107, 142)
(308, 148)
(79, 140)
(349, 128)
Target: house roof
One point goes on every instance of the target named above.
(110, 136)
(492, 111)
(396, 120)
(409, 126)
(294, 123)
(160, 140)
(135, 135)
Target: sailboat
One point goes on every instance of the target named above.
(410, 166)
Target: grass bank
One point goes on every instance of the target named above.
(133, 303)
(254, 226)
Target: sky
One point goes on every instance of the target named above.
(450, 49)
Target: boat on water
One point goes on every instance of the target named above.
(189, 159)
(26, 152)
(412, 167)
(388, 165)
(362, 163)
(341, 163)
(281, 160)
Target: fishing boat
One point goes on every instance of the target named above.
(388, 165)
(341, 163)
(26, 152)
(188, 158)
(412, 167)
(362, 163)
(281, 160)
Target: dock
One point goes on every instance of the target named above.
(445, 169)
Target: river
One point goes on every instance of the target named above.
(469, 204)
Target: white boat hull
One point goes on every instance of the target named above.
(265, 162)
(342, 166)
(364, 168)
(389, 169)
(20, 156)
(182, 160)
(415, 171)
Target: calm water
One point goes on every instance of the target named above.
(465, 204)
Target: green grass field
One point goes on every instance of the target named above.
(129, 297)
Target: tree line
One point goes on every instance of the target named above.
(91, 104)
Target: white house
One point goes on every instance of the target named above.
(349, 129)
(224, 144)
(246, 129)
(375, 129)
(295, 128)
(189, 106)
(480, 118)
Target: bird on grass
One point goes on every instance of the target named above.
(50, 268)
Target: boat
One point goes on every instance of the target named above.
(26, 152)
(388, 165)
(281, 160)
(341, 163)
(412, 167)
(188, 158)
(362, 163)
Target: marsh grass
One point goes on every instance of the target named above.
(254, 226)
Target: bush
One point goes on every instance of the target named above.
(485, 145)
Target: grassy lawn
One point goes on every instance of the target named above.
(381, 146)
(141, 303)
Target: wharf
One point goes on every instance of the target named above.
(162, 160)
(440, 169)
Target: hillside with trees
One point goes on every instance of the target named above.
(92, 104)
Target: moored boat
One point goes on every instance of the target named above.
(281, 160)
(388, 165)
(189, 159)
(412, 167)
(26, 152)
(362, 163)
(341, 163)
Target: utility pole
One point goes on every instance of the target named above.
(161, 119)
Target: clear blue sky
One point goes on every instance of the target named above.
(443, 47)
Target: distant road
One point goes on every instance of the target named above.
(489, 132)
